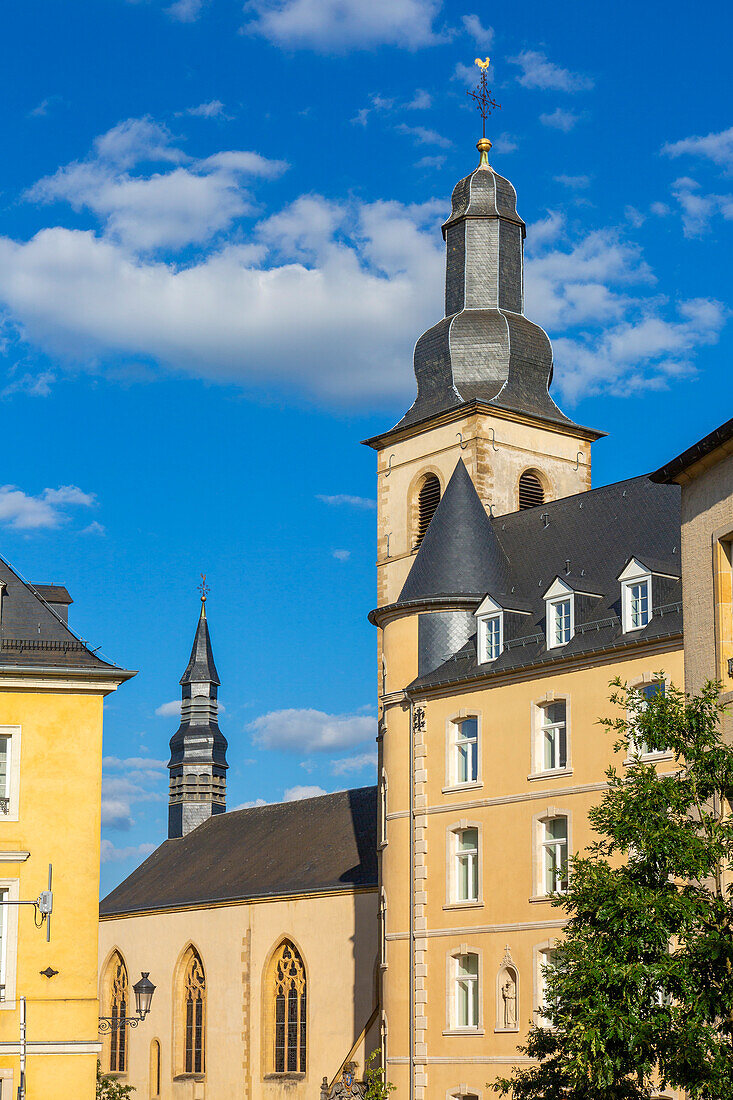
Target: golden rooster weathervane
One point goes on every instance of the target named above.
(485, 102)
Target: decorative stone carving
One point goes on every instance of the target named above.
(509, 999)
(507, 994)
(346, 1087)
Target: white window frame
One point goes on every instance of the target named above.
(540, 843)
(472, 858)
(555, 733)
(489, 612)
(540, 953)
(538, 726)
(9, 951)
(383, 790)
(663, 754)
(453, 741)
(635, 573)
(12, 792)
(555, 854)
(558, 594)
(473, 1000)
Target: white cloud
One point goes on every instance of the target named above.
(537, 71)
(276, 310)
(469, 74)
(142, 780)
(111, 854)
(634, 216)
(295, 794)
(503, 145)
(341, 555)
(337, 26)
(169, 209)
(421, 101)
(252, 804)
(698, 209)
(94, 528)
(432, 162)
(346, 498)
(560, 119)
(482, 36)
(356, 763)
(640, 354)
(310, 730)
(32, 385)
(660, 209)
(423, 136)
(168, 710)
(24, 512)
(185, 11)
(213, 109)
(717, 147)
(576, 183)
(42, 109)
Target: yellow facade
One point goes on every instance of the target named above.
(54, 724)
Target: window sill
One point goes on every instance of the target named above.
(506, 1031)
(464, 1031)
(115, 1074)
(649, 758)
(552, 773)
(543, 897)
(458, 788)
(284, 1077)
(189, 1077)
(477, 904)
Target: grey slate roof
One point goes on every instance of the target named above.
(315, 845)
(484, 349)
(34, 633)
(444, 566)
(717, 438)
(586, 540)
(201, 667)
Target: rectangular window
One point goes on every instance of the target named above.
(554, 736)
(546, 960)
(467, 991)
(466, 751)
(3, 941)
(467, 865)
(490, 633)
(638, 745)
(560, 622)
(638, 597)
(555, 855)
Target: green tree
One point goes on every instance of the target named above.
(109, 1088)
(378, 1087)
(641, 993)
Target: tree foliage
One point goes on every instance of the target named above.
(641, 995)
(377, 1085)
(109, 1088)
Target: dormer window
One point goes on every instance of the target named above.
(560, 614)
(636, 596)
(490, 631)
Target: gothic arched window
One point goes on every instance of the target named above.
(531, 492)
(428, 499)
(118, 993)
(290, 1010)
(194, 1013)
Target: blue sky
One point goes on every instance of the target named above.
(219, 240)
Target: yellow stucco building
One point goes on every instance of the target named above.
(51, 693)
(509, 594)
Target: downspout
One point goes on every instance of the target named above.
(412, 900)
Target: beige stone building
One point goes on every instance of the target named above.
(258, 927)
(705, 473)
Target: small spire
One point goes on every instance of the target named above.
(485, 104)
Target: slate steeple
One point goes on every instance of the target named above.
(484, 349)
(198, 748)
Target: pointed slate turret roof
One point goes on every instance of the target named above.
(460, 554)
(201, 667)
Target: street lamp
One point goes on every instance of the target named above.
(143, 990)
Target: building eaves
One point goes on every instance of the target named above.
(721, 437)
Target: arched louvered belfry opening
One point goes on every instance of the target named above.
(428, 499)
(531, 490)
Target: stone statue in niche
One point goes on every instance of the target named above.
(509, 999)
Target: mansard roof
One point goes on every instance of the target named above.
(34, 634)
(585, 540)
(316, 845)
(460, 554)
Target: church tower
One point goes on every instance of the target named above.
(198, 748)
(483, 374)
